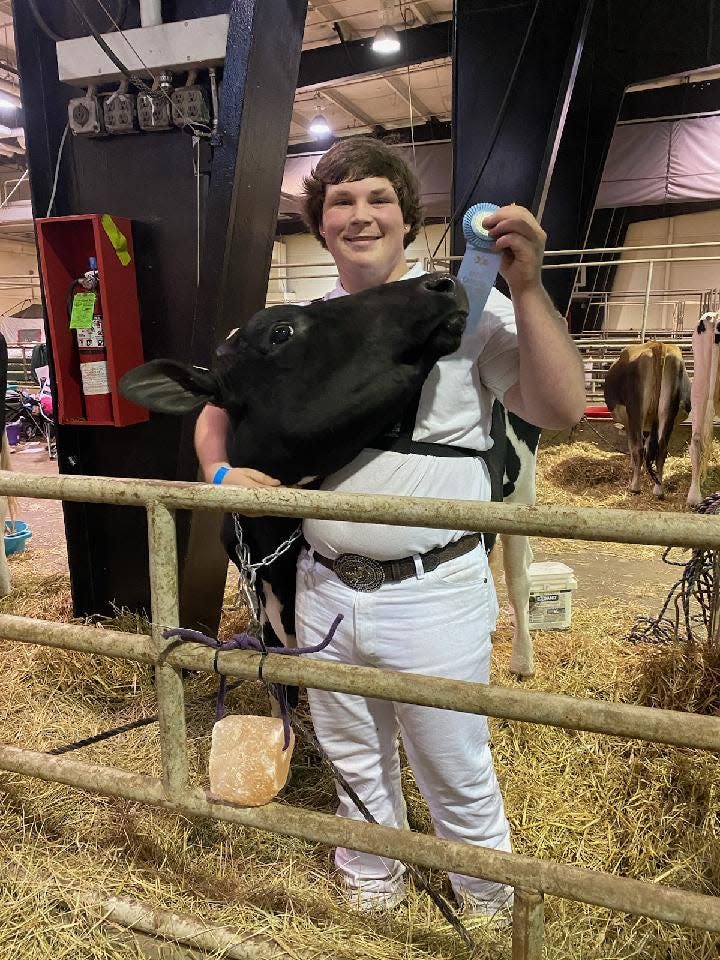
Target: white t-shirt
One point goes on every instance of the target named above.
(455, 408)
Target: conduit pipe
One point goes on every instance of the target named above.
(150, 13)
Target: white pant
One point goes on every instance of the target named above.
(437, 624)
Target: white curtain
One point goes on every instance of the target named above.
(662, 161)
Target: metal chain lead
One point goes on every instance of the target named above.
(248, 571)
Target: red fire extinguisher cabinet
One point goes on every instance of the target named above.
(66, 245)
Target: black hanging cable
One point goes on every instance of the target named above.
(109, 52)
(56, 37)
(460, 208)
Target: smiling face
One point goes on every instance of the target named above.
(363, 228)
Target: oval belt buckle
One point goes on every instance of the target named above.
(360, 573)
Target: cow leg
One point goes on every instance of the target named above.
(697, 461)
(636, 448)
(517, 557)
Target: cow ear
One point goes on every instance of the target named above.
(166, 386)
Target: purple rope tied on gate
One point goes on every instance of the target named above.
(247, 641)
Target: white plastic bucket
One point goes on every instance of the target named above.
(551, 586)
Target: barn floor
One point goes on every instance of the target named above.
(604, 803)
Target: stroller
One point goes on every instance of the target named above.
(33, 413)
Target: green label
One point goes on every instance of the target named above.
(83, 308)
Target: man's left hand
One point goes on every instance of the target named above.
(521, 239)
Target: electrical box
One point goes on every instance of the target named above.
(89, 362)
(120, 114)
(189, 106)
(85, 116)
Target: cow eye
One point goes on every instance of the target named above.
(281, 333)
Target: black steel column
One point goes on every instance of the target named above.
(150, 178)
(242, 208)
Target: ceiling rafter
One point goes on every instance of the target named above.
(331, 12)
(348, 107)
(422, 11)
(402, 88)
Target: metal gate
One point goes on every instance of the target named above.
(532, 878)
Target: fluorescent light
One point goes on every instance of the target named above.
(319, 126)
(386, 41)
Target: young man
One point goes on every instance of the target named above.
(362, 204)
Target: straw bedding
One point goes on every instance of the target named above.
(622, 806)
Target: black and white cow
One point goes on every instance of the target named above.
(323, 381)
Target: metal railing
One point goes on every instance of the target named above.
(17, 189)
(532, 878)
(679, 298)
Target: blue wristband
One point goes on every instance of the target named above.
(220, 474)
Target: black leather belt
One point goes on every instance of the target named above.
(367, 574)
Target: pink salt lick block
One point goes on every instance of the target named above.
(248, 765)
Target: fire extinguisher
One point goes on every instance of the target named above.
(93, 355)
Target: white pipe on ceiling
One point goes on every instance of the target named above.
(150, 13)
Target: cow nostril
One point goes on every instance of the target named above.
(443, 283)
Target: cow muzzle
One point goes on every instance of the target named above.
(448, 286)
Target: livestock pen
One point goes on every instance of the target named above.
(176, 791)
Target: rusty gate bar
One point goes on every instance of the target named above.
(585, 523)
(530, 706)
(528, 925)
(162, 542)
(530, 877)
(639, 897)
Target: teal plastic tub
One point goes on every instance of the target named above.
(16, 536)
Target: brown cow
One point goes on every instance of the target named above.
(647, 390)
(705, 398)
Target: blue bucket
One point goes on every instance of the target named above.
(16, 536)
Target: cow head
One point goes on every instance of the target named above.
(307, 387)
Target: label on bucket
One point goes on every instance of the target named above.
(550, 611)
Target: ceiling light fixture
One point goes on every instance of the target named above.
(319, 126)
(386, 39)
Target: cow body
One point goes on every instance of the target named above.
(647, 390)
(356, 363)
(705, 398)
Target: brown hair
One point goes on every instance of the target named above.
(354, 159)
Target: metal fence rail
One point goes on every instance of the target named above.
(532, 878)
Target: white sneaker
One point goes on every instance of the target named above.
(375, 895)
(497, 912)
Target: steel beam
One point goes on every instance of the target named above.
(356, 57)
(259, 80)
